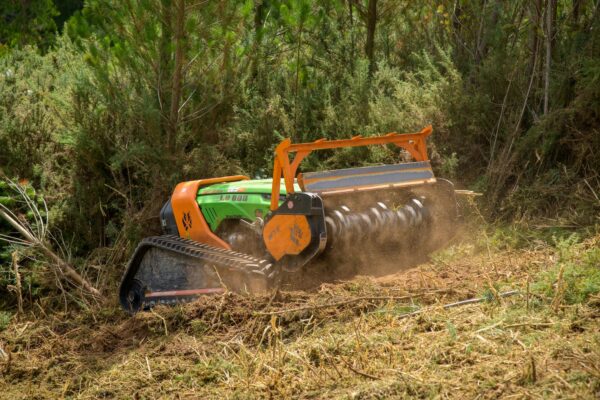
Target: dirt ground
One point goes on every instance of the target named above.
(527, 335)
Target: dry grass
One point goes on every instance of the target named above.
(347, 340)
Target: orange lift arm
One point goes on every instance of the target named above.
(414, 143)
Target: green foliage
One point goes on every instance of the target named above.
(27, 122)
(27, 22)
(519, 236)
(405, 101)
(5, 318)
(581, 275)
(449, 166)
(393, 101)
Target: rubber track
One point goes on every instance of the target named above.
(223, 259)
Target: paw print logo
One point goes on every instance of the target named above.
(187, 221)
(295, 234)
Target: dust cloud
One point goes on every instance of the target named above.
(382, 249)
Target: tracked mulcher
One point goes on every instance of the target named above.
(233, 233)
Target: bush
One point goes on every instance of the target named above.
(5, 318)
(581, 272)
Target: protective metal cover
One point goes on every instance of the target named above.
(369, 178)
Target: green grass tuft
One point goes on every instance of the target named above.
(5, 318)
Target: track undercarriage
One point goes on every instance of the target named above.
(168, 269)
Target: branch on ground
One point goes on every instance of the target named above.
(36, 238)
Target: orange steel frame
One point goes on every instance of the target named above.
(414, 143)
(183, 201)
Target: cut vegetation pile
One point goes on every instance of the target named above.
(532, 330)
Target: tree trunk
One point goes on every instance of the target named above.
(457, 30)
(550, 17)
(535, 12)
(352, 45)
(371, 26)
(18, 285)
(164, 65)
(297, 80)
(259, 17)
(576, 11)
(177, 74)
(479, 42)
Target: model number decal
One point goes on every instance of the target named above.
(234, 197)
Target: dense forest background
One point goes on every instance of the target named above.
(106, 105)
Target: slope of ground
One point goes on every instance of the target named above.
(367, 338)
